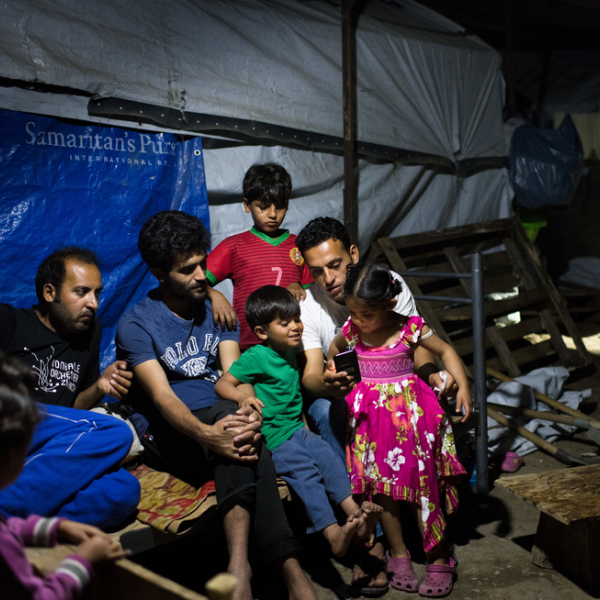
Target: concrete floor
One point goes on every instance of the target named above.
(493, 537)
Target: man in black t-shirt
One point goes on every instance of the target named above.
(60, 337)
(73, 461)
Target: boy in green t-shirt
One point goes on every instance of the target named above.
(301, 458)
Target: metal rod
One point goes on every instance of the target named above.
(479, 373)
(436, 275)
(444, 299)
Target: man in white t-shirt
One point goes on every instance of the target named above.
(327, 250)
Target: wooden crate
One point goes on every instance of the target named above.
(510, 262)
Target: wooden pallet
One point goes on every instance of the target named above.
(510, 261)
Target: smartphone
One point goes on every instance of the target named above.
(348, 362)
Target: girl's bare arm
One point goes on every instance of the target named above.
(454, 366)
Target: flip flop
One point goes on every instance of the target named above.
(371, 566)
(439, 580)
(403, 576)
(512, 462)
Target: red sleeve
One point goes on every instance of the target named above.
(219, 264)
(306, 278)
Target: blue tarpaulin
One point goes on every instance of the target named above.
(546, 164)
(67, 184)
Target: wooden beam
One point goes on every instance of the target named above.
(348, 67)
(553, 292)
(503, 351)
(122, 580)
(425, 308)
(454, 233)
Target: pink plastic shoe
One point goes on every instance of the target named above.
(401, 574)
(439, 580)
(512, 462)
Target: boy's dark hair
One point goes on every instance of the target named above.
(268, 183)
(53, 268)
(320, 230)
(169, 234)
(371, 284)
(18, 415)
(268, 303)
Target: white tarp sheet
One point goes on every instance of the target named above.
(423, 85)
(438, 201)
(519, 393)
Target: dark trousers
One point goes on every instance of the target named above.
(252, 485)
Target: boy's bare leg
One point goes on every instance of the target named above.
(368, 512)
(340, 536)
(298, 585)
(371, 568)
(236, 524)
(372, 572)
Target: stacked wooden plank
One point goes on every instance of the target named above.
(511, 266)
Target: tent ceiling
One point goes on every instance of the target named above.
(536, 24)
(425, 88)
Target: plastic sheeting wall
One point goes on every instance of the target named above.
(64, 184)
(437, 201)
(422, 85)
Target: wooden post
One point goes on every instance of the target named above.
(511, 108)
(349, 67)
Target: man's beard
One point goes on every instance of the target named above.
(195, 294)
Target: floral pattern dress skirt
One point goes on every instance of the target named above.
(400, 443)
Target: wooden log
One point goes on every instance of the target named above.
(542, 415)
(536, 439)
(121, 580)
(221, 586)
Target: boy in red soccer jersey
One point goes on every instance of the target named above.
(264, 255)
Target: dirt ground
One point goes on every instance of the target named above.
(493, 536)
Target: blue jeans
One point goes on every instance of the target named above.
(311, 468)
(329, 417)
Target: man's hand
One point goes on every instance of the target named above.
(237, 436)
(297, 291)
(436, 381)
(339, 384)
(223, 312)
(116, 380)
(76, 533)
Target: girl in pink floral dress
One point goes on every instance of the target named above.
(400, 445)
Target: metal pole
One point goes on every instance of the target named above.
(479, 372)
(348, 62)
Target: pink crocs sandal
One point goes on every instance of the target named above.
(439, 580)
(512, 462)
(401, 574)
